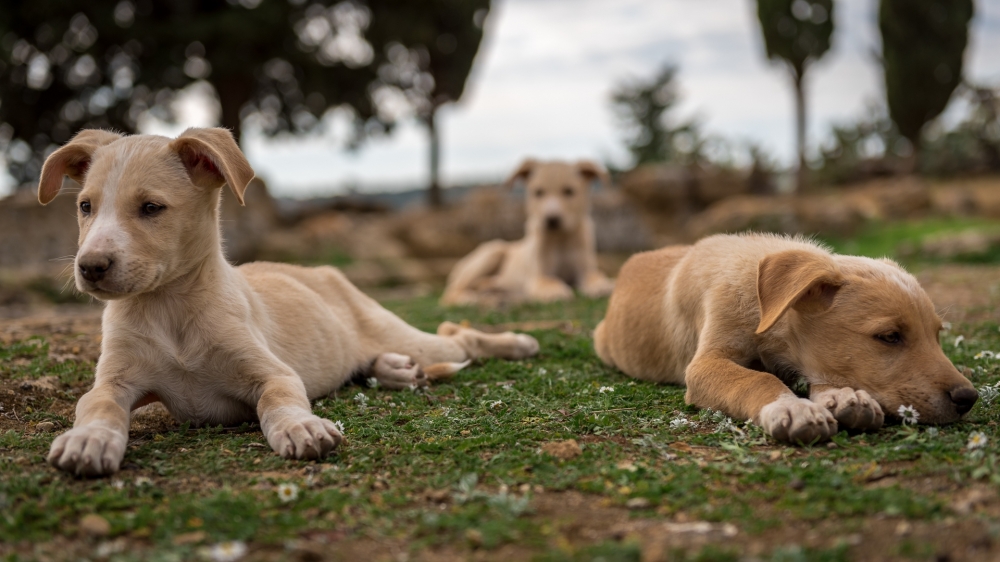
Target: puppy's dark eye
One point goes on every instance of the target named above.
(150, 209)
(85, 207)
(891, 338)
(567, 192)
(539, 193)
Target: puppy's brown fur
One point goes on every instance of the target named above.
(735, 318)
(557, 253)
(218, 344)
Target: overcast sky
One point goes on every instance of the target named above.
(541, 84)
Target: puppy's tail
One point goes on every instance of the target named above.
(440, 371)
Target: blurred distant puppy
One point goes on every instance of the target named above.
(738, 318)
(557, 253)
(219, 344)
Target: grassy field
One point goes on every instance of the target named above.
(554, 458)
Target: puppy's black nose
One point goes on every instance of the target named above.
(553, 223)
(94, 269)
(964, 398)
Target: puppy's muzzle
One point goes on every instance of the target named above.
(964, 398)
(95, 268)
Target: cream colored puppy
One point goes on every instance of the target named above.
(738, 318)
(218, 344)
(557, 252)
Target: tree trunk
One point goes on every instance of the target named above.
(234, 93)
(800, 130)
(434, 196)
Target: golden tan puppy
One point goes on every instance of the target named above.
(737, 318)
(557, 253)
(218, 344)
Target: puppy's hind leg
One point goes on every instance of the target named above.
(476, 344)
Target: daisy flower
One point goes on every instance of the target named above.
(959, 340)
(604, 389)
(496, 404)
(372, 382)
(932, 432)
(680, 422)
(909, 414)
(977, 440)
(143, 481)
(340, 426)
(288, 492)
(987, 394)
(228, 551)
(985, 354)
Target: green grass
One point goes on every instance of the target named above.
(901, 240)
(460, 468)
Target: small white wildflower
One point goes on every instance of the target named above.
(987, 394)
(542, 371)
(946, 326)
(909, 414)
(977, 440)
(985, 354)
(680, 422)
(288, 492)
(496, 404)
(107, 548)
(117, 484)
(372, 382)
(932, 432)
(604, 389)
(339, 425)
(143, 481)
(228, 551)
(959, 340)
(361, 399)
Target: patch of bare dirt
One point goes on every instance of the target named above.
(963, 293)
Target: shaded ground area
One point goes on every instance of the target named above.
(556, 458)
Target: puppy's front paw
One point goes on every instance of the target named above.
(598, 287)
(797, 420)
(853, 409)
(88, 451)
(304, 437)
(527, 346)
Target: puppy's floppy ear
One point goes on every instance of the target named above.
(593, 171)
(522, 172)
(212, 159)
(799, 279)
(73, 160)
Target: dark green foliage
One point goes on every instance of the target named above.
(643, 108)
(279, 64)
(431, 47)
(797, 32)
(873, 146)
(922, 46)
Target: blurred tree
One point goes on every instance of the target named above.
(923, 42)
(431, 47)
(277, 65)
(643, 107)
(798, 33)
